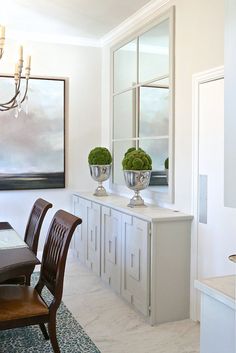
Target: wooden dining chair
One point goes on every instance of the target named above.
(35, 222)
(24, 305)
(31, 237)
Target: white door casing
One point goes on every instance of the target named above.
(212, 238)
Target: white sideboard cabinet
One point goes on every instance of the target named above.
(87, 243)
(111, 247)
(141, 253)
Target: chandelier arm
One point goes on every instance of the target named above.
(18, 98)
(9, 106)
(6, 106)
(12, 100)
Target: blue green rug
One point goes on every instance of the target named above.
(71, 336)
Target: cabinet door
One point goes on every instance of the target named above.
(80, 236)
(135, 262)
(93, 243)
(111, 247)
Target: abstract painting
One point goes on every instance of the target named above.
(32, 146)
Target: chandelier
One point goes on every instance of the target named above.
(18, 97)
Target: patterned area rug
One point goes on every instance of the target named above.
(71, 336)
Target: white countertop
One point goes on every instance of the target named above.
(222, 289)
(151, 213)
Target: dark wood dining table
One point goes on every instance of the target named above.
(16, 258)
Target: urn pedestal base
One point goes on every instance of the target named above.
(137, 180)
(100, 173)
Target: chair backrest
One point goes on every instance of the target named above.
(34, 224)
(55, 252)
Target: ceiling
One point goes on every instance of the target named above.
(89, 19)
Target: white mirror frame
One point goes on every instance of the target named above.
(151, 195)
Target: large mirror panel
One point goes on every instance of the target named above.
(143, 102)
(154, 52)
(124, 115)
(158, 150)
(119, 149)
(125, 66)
(154, 110)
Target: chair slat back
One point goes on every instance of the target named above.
(55, 252)
(35, 222)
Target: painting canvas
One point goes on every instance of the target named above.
(32, 153)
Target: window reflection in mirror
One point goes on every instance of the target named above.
(124, 115)
(154, 52)
(125, 66)
(142, 100)
(154, 109)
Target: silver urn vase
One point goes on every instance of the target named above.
(100, 173)
(232, 258)
(137, 180)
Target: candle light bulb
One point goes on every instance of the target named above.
(20, 52)
(2, 31)
(2, 38)
(16, 74)
(28, 61)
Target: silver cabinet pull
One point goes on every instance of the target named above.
(203, 179)
(110, 242)
(132, 260)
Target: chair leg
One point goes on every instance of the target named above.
(53, 335)
(27, 280)
(44, 331)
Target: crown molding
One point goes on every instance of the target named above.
(147, 10)
(55, 39)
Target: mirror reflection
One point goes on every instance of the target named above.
(154, 110)
(119, 149)
(125, 66)
(154, 52)
(142, 101)
(124, 115)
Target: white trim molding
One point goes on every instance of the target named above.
(198, 79)
(147, 11)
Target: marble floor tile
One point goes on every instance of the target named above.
(114, 326)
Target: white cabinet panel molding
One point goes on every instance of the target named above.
(111, 248)
(144, 253)
(93, 236)
(135, 262)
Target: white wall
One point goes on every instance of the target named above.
(230, 104)
(82, 67)
(199, 46)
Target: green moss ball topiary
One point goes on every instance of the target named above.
(99, 156)
(136, 160)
